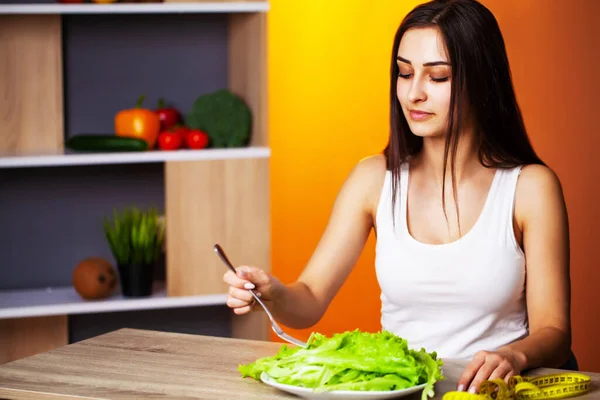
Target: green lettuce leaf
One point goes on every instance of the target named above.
(352, 360)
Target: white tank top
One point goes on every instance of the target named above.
(456, 298)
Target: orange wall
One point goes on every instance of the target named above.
(554, 53)
(328, 77)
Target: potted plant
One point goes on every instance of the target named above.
(136, 241)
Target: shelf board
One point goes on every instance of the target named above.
(68, 158)
(137, 8)
(65, 301)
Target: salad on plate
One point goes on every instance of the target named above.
(351, 361)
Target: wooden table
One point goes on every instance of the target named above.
(139, 364)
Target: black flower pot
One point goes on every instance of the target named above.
(136, 279)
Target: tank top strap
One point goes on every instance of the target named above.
(500, 216)
(403, 195)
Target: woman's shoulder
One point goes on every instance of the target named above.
(373, 164)
(536, 178)
(538, 190)
(370, 170)
(369, 174)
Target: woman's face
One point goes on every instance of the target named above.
(423, 87)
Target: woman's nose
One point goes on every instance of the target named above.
(416, 91)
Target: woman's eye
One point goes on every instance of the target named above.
(443, 79)
(404, 76)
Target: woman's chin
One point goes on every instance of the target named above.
(426, 133)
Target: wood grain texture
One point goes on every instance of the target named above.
(24, 337)
(135, 364)
(31, 105)
(208, 202)
(217, 201)
(248, 69)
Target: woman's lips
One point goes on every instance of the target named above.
(418, 115)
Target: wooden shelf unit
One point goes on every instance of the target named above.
(138, 8)
(221, 196)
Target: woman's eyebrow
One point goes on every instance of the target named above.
(427, 64)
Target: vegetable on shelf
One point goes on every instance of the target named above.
(224, 116)
(105, 143)
(182, 130)
(169, 116)
(168, 140)
(196, 139)
(138, 122)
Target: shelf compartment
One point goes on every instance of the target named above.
(65, 301)
(67, 158)
(137, 8)
(235, 39)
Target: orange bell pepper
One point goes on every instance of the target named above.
(138, 122)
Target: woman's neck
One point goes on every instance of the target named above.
(431, 159)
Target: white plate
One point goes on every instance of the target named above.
(339, 394)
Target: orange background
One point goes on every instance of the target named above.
(328, 91)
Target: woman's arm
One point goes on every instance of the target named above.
(302, 303)
(338, 250)
(546, 244)
(541, 215)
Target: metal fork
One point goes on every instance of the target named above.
(278, 331)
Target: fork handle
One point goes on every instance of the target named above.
(226, 261)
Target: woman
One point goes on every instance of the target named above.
(472, 252)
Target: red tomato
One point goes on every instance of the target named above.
(169, 116)
(196, 139)
(180, 130)
(169, 141)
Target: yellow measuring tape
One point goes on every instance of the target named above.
(556, 386)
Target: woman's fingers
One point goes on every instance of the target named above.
(240, 294)
(234, 280)
(247, 278)
(242, 310)
(253, 274)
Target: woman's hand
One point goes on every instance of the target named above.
(488, 365)
(239, 298)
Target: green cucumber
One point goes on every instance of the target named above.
(105, 143)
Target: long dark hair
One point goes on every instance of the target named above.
(481, 72)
